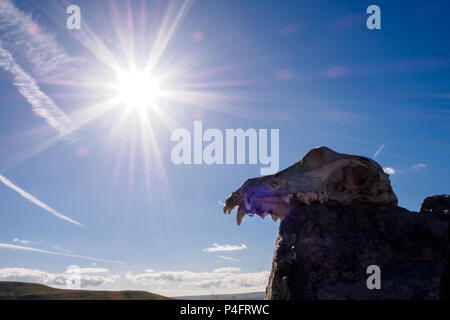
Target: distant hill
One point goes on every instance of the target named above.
(32, 291)
(237, 296)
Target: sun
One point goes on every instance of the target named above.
(137, 90)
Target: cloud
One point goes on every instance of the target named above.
(388, 170)
(229, 259)
(21, 241)
(170, 283)
(226, 270)
(90, 270)
(378, 151)
(418, 166)
(21, 34)
(226, 247)
(225, 280)
(37, 202)
(52, 279)
(15, 247)
(41, 104)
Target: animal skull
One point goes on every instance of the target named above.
(323, 176)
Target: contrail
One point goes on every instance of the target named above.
(20, 33)
(378, 151)
(14, 247)
(37, 202)
(42, 105)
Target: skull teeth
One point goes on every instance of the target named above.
(310, 197)
(274, 217)
(239, 216)
(287, 199)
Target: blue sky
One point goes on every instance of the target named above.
(308, 68)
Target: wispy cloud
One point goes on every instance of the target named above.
(378, 151)
(226, 247)
(37, 202)
(21, 241)
(418, 166)
(229, 258)
(20, 33)
(388, 170)
(91, 270)
(22, 248)
(42, 105)
(227, 270)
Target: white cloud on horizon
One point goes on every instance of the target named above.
(388, 170)
(169, 283)
(178, 283)
(52, 279)
(225, 247)
(35, 201)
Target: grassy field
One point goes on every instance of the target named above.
(32, 291)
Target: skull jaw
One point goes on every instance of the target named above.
(322, 176)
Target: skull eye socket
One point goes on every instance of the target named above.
(358, 176)
(349, 179)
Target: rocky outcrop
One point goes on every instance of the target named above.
(324, 253)
(340, 223)
(439, 206)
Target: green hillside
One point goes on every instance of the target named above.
(32, 291)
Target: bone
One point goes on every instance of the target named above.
(321, 176)
(239, 216)
(307, 197)
(323, 197)
(288, 198)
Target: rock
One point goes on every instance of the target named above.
(339, 216)
(324, 252)
(437, 205)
